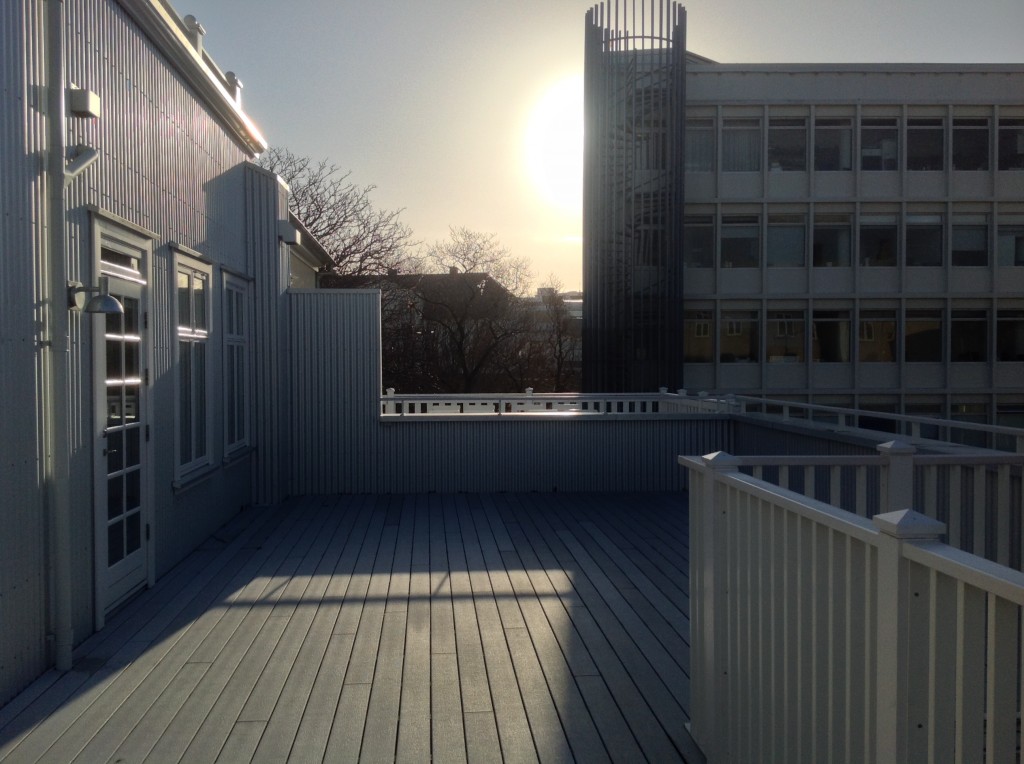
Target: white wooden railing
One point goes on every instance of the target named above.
(915, 428)
(819, 635)
(569, 404)
(976, 493)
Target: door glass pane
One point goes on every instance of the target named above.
(114, 406)
(115, 365)
(115, 497)
(115, 451)
(115, 543)
(131, 315)
(132, 490)
(132, 438)
(131, 359)
(133, 532)
(131, 404)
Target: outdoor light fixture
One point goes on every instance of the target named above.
(101, 303)
(81, 156)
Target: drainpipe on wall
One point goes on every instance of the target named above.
(56, 348)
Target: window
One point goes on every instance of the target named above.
(970, 242)
(1011, 245)
(193, 286)
(740, 336)
(833, 144)
(923, 341)
(878, 241)
(787, 144)
(879, 144)
(236, 368)
(785, 341)
(1010, 335)
(970, 144)
(926, 140)
(741, 145)
(698, 328)
(787, 241)
(741, 241)
(969, 336)
(831, 336)
(924, 240)
(1011, 144)
(877, 336)
(700, 145)
(831, 241)
(699, 241)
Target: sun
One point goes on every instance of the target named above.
(553, 145)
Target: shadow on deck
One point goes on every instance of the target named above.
(454, 627)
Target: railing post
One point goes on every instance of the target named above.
(710, 679)
(897, 479)
(892, 679)
(389, 406)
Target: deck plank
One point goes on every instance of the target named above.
(504, 627)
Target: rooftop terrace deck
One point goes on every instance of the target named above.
(472, 627)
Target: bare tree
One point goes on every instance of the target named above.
(362, 239)
(471, 308)
(475, 252)
(560, 334)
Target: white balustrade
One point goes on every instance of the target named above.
(819, 635)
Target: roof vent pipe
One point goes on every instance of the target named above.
(234, 87)
(195, 33)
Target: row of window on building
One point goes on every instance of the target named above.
(828, 146)
(829, 336)
(880, 240)
(194, 311)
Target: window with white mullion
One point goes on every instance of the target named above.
(236, 355)
(193, 303)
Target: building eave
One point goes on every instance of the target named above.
(159, 21)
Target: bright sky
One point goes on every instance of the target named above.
(433, 101)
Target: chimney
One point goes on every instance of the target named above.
(234, 87)
(195, 33)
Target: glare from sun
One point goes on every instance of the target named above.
(553, 145)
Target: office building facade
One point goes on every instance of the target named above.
(847, 234)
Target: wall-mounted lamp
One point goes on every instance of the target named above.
(101, 303)
(81, 156)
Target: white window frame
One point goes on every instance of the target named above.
(193, 268)
(236, 340)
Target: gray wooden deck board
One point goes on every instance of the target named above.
(460, 628)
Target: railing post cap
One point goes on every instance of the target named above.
(721, 460)
(663, 390)
(908, 524)
(389, 391)
(681, 391)
(896, 447)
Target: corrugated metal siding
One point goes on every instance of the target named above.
(339, 444)
(166, 164)
(335, 346)
(22, 191)
(265, 204)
